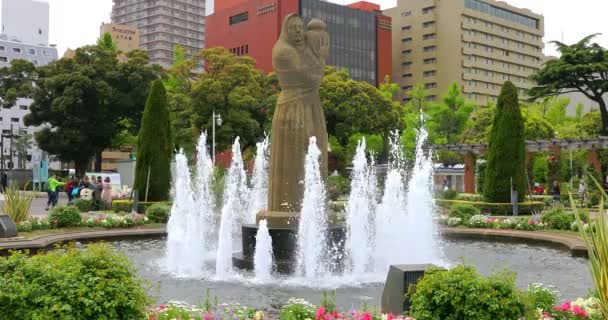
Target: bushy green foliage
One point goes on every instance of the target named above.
(448, 194)
(122, 205)
(83, 205)
(154, 148)
(469, 197)
(463, 211)
(502, 209)
(507, 151)
(158, 213)
(337, 186)
(297, 310)
(539, 297)
(62, 217)
(557, 219)
(541, 169)
(96, 283)
(461, 293)
(16, 203)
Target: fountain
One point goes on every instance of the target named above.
(259, 191)
(263, 262)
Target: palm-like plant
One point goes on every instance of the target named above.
(17, 203)
(596, 240)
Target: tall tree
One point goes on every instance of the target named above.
(447, 119)
(80, 102)
(506, 157)
(154, 148)
(582, 67)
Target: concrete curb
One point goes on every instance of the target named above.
(47, 241)
(574, 244)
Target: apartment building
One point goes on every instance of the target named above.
(163, 24)
(477, 43)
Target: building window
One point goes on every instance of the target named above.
(428, 9)
(408, 51)
(22, 107)
(3, 59)
(241, 17)
(429, 73)
(428, 36)
(31, 51)
(430, 61)
(407, 87)
(407, 13)
(17, 50)
(429, 48)
(501, 13)
(430, 85)
(2, 48)
(428, 24)
(14, 119)
(406, 75)
(406, 39)
(406, 28)
(407, 63)
(431, 98)
(6, 131)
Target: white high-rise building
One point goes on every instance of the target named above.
(26, 21)
(25, 34)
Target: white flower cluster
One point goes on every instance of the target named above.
(454, 221)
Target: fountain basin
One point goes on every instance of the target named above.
(284, 246)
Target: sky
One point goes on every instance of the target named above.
(75, 23)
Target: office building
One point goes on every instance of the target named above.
(479, 44)
(360, 35)
(30, 25)
(163, 24)
(126, 37)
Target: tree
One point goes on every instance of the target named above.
(154, 148)
(582, 67)
(80, 102)
(232, 88)
(22, 145)
(506, 159)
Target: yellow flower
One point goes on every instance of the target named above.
(259, 315)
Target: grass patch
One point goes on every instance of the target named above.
(41, 233)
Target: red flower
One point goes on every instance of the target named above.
(566, 306)
(320, 313)
(162, 307)
(335, 314)
(390, 317)
(530, 221)
(366, 316)
(578, 311)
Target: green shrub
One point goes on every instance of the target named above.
(96, 283)
(557, 219)
(62, 217)
(297, 309)
(337, 186)
(83, 205)
(469, 197)
(461, 293)
(122, 205)
(448, 194)
(16, 203)
(158, 213)
(463, 211)
(501, 209)
(539, 297)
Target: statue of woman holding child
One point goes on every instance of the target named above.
(299, 59)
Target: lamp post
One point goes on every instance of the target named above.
(216, 119)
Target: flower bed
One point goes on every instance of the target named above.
(104, 221)
(494, 208)
(523, 223)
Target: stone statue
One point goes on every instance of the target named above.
(299, 59)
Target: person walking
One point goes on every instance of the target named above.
(106, 194)
(53, 185)
(97, 190)
(557, 193)
(70, 185)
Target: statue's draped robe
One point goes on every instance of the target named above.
(297, 117)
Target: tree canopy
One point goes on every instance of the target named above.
(582, 67)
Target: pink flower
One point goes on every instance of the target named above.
(162, 307)
(320, 313)
(578, 311)
(390, 317)
(366, 316)
(530, 221)
(566, 306)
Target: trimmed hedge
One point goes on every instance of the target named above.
(127, 205)
(501, 209)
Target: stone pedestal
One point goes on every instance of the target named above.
(398, 281)
(284, 246)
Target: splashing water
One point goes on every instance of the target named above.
(359, 214)
(236, 194)
(262, 258)
(185, 227)
(205, 200)
(419, 231)
(312, 229)
(259, 192)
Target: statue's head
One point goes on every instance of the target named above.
(293, 30)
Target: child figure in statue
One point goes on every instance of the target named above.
(318, 38)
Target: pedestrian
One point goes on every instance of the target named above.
(69, 187)
(556, 192)
(106, 194)
(4, 182)
(445, 185)
(582, 191)
(53, 185)
(97, 190)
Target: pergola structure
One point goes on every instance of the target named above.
(470, 151)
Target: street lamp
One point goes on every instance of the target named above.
(216, 119)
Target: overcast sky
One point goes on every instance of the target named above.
(76, 23)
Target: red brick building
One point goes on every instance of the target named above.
(360, 35)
